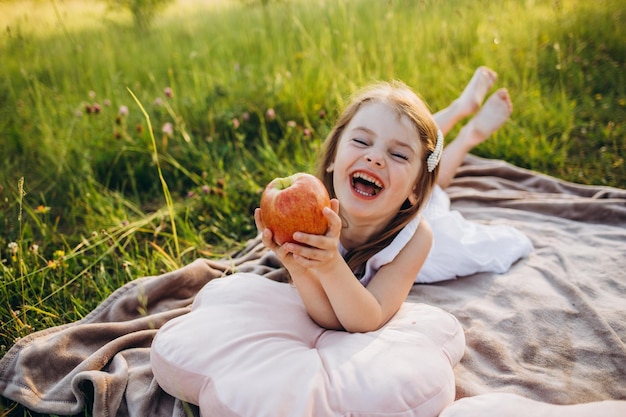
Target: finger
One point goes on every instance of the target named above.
(302, 251)
(304, 261)
(257, 220)
(266, 238)
(328, 241)
(284, 255)
(309, 241)
(334, 221)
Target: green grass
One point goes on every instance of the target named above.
(90, 201)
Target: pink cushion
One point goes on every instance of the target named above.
(248, 348)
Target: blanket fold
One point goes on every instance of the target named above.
(552, 328)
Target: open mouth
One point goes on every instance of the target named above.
(365, 184)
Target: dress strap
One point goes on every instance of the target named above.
(389, 253)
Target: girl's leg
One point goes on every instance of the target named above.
(494, 112)
(469, 101)
(511, 405)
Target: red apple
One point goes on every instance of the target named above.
(294, 204)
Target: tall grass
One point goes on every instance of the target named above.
(237, 94)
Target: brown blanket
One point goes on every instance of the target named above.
(553, 328)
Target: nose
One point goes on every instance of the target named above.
(375, 160)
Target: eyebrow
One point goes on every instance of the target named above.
(364, 129)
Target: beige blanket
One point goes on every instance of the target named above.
(553, 328)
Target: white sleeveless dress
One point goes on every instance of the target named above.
(460, 247)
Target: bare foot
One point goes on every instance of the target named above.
(511, 405)
(494, 113)
(475, 92)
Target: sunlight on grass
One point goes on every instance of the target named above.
(37, 18)
(96, 190)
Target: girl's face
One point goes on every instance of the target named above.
(377, 162)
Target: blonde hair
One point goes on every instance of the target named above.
(405, 102)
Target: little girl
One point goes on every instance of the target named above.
(381, 162)
(402, 137)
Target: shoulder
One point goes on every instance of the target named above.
(415, 250)
(415, 237)
(419, 244)
(402, 270)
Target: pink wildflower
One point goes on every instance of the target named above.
(235, 123)
(168, 92)
(271, 114)
(123, 111)
(168, 129)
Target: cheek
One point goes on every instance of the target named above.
(412, 183)
(336, 181)
(342, 162)
(342, 153)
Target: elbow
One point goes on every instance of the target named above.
(349, 328)
(362, 329)
(364, 326)
(327, 323)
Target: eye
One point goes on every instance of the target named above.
(359, 141)
(400, 156)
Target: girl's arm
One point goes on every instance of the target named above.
(356, 308)
(393, 282)
(363, 309)
(309, 287)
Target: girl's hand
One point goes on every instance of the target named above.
(314, 251)
(311, 250)
(267, 236)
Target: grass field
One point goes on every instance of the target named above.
(127, 154)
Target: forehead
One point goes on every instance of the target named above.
(383, 120)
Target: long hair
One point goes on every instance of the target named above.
(406, 103)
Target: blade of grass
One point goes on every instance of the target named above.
(166, 192)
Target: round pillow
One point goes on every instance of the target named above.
(249, 349)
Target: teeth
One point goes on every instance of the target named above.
(368, 178)
(366, 194)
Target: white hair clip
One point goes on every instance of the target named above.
(435, 156)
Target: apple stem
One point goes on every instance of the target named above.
(284, 183)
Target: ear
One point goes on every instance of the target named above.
(413, 199)
(330, 167)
